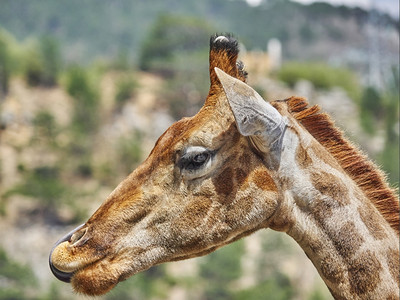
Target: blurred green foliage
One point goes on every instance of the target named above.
(171, 37)
(126, 87)
(278, 287)
(42, 183)
(150, 284)
(390, 156)
(11, 59)
(322, 76)
(130, 152)
(45, 128)
(371, 109)
(379, 110)
(219, 269)
(84, 91)
(43, 62)
(86, 35)
(15, 278)
(177, 48)
(51, 60)
(5, 68)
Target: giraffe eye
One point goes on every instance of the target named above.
(200, 159)
(195, 161)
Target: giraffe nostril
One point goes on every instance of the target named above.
(79, 237)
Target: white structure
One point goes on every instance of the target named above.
(274, 49)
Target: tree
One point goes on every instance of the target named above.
(81, 88)
(51, 60)
(43, 63)
(371, 109)
(4, 65)
(170, 37)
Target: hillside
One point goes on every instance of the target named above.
(318, 31)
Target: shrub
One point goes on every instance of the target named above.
(51, 60)
(43, 62)
(16, 277)
(371, 109)
(176, 48)
(15, 271)
(321, 75)
(221, 268)
(126, 87)
(81, 87)
(150, 284)
(170, 37)
(5, 68)
(389, 158)
(33, 68)
(277, 288)
(45, 127)
(42, 183)
(10, 60)
(130, 152)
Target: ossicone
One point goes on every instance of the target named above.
(224, 51)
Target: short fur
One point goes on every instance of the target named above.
(352, 160)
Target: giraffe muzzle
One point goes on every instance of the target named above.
(63, 276)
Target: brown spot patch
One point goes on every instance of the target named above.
(331, 186)
(315, 244)
(394, 264)
(264, 181)
(238, 211)
(241, 176)
(373, 223)
(364, 273)
(332, 269)
(223, 183)
(302, 157)
(195, 213)
(323, 207)
(245, 159)
(347, 240)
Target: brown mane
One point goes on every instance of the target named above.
(364, 172)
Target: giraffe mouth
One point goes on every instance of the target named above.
(92, 277)
(61, 275)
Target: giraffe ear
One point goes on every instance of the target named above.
(255, 118)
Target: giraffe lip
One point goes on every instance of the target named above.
(60, 275)
(63, 276)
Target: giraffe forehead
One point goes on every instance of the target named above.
(200, 130)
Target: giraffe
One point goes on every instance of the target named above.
(239, 165)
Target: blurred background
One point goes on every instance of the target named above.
(86, 88)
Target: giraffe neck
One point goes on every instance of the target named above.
(353, 248)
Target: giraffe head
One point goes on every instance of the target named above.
(206, 183)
